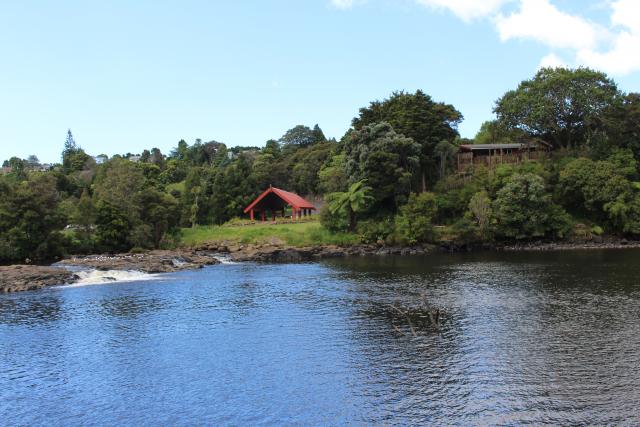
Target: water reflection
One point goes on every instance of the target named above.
(37, 309)
(129, 306)
(538, 338)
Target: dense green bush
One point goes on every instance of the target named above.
(334, 221)
(30, 219)
(523, 209)
(376, 230)
(481, 214)
(602, 191)
(414, 223)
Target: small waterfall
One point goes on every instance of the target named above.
(95, 277)
(224, 259)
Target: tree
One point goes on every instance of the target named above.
(622, 124)
(414, 224)
(74, 159)
(264, 170)
(69, 144)
(493, 132)
(145, 156)
(418, 117)
(354, 201)
(18, 167)
(445, 151)
(159, 216)
(119, 183)
(480, 212)
(112, 227)
(332, 176)
(602, 190)
(232, 190)
(523, 209)
(180, 152)
(85, 214)
(272, 147)
(156, 157)
(190, 199)
(318, 135)
(302, 136)
(33, 161)
(306, 165)
(195, 191)
(385, 159)
(30, 220)
(562, 106)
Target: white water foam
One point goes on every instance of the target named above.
(224, 259)
(96, 277)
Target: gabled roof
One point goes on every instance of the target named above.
(290, 198)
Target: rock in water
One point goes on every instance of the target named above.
(15, 278)
(159, 261)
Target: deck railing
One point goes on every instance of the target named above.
(466, 161)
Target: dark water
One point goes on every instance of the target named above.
(539, 338)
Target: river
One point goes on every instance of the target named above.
(524, 337)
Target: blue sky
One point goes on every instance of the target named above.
(126, 75)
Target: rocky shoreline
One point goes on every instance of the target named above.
(158, 261)
(282, 253)
(608, 243)
(268, 253)
(16, 278)
(29, 277)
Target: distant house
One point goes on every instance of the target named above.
(492, 155)
(274, 200)
(100, 159)
(6, 170)
(135, 158)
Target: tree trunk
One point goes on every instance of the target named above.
(352, 220)
(424, 182)
(194, 213)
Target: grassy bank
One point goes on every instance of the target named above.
(299, 234)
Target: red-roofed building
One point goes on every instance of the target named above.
(276, 200)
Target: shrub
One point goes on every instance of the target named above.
(375, 230)
(414, 223)
(335, 222)
(602, 190)
(142, 236)
(481, 213)
(466, 231)
(523, 209)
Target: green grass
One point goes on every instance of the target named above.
(300, 234)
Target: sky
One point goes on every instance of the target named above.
(125, 76)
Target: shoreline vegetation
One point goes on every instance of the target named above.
(262, 243)
(17, 278)
(400, 180)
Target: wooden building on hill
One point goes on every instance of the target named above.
(492, 155)
(274, 201)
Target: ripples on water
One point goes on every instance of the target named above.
(540, 338)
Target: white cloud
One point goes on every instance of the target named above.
(626, 13)
(552, 60)
(541, 21)
(467, 10)
(622, 58)
(613, 47)
(343, 4)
